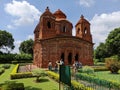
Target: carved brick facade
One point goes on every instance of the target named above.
(54, 40)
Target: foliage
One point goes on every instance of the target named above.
(21, 75)
(15, 75)
(6, 40)
(76, 85)
(38, 73)
(15, 69)
(28, 83)
(53, 75)
(113, 42)
(112, 64)
(101, 52)
(23, 56)
(111, 46)
(7, 58)
(99, 81)
(11, 85)
(79, 86)
(26, 47)
(2, 70)
(88, 70)
(99, 68)
(6, 66)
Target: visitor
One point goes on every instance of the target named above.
(50, 65)
(56, 67)
(61, 62)
(80, 65)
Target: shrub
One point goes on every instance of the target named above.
(76, 85)
(21, 75)
(39, 73)
(6, 58)
(2, 70)
(99, 68)
(102, 82)
(14, 62)
(112, 64)
(10, 85)
(79, 86)
(88, 70)
(23, 56)
(53, 75)
(6, 66)
(15, 75)
(15, 69)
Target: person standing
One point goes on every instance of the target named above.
(50, 65)
(61, 62)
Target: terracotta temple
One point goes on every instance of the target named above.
(53, 40)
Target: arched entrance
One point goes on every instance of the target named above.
(62, 56)
(76, 57)
(70, 58)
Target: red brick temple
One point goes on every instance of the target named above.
(53, 40)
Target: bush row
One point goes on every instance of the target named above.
(8, 58)
(76, 85)
(98, 81)
(21, 75)
(100, 68)
(2, 70)
(10, 85)
(6, 66)
(15, 75)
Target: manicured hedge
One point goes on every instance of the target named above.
(15, 75)
(12, 86)
(2, 70)
(100, 68)
(8, 58)
(6, 66)
(76, 85)
(98, 81)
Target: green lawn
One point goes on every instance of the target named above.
(29, 83)
(6, 75)
(108, 76)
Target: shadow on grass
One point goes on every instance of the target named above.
(32, 88)
(41, 80)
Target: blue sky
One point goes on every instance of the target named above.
(20, 17)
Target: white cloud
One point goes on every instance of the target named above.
(101, 25)
(10, 27)
(30, 37)
(17, 45)
(23, 12)
(87, 3)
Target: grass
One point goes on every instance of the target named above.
(6, 75)
(29, 83)
(108, 76)
(45, 84)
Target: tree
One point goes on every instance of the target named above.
(101, 51)
(26, 47)
(6, 40)
(111, 47)
(113, 42)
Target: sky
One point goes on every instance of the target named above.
(20, 17)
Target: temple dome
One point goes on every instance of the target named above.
(82, 20)
(59, 14)
(47, 13)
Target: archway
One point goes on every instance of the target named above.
(70, 58)
(76, 57)
(62, 56)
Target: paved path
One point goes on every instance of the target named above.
(26, 68)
